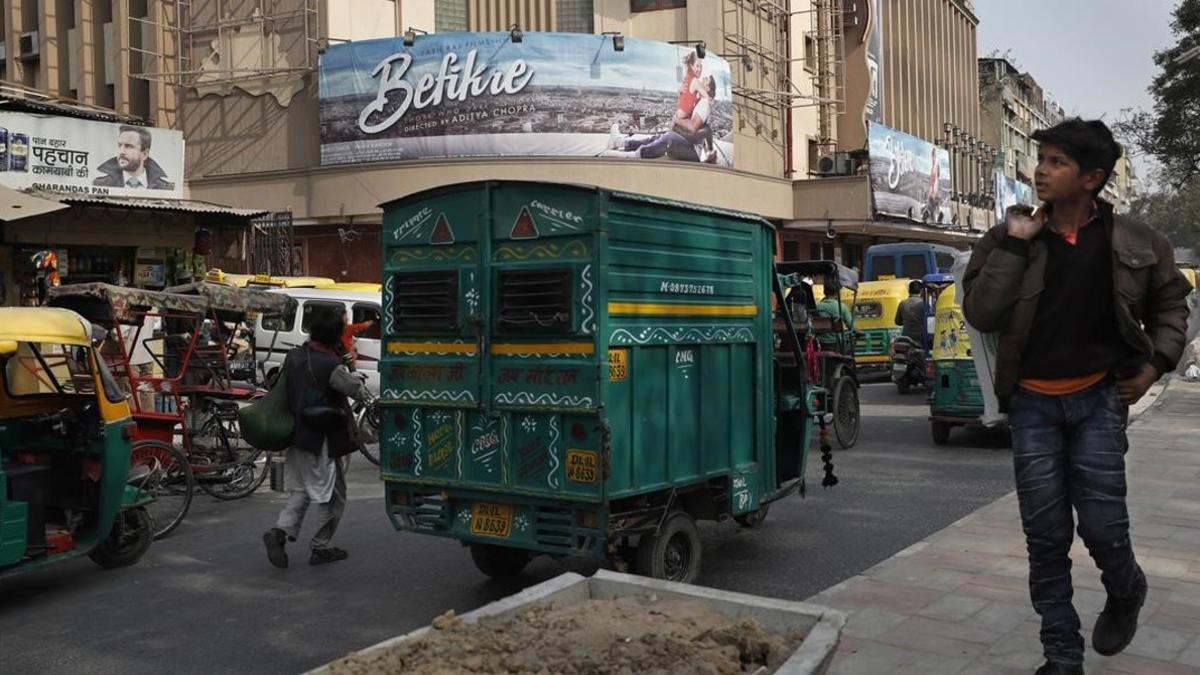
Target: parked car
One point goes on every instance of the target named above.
(271, 347)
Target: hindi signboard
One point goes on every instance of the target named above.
(910, 177)
(552, 94)
(77, 156)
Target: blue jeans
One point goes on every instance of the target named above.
(670, 143)
(1069, 451)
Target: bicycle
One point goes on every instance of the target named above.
(367, 419)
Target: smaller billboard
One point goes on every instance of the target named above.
(910, 177)
(1010, 192)
(88, 157)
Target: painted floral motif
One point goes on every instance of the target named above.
(520, 523)
(529, 424)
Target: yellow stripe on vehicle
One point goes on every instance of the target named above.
(431, 348)
(544, 348)
(659, 309)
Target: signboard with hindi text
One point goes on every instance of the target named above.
(87, 157)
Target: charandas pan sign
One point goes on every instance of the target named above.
(910, 177)
(552, 94)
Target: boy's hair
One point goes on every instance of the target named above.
(1089, 142)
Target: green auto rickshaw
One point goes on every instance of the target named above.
(66, 486)
(955, 396)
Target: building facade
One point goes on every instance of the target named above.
(240, 79)
(909, 67)
(1012, 108)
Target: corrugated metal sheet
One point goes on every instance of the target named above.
(177, 205)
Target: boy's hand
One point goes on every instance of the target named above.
(1023, 222)
(1131, 390)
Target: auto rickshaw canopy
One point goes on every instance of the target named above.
(44, 324)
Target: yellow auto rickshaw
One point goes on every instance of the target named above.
(875, 321)
(356, 286)
(1189, 273)
(67, 488)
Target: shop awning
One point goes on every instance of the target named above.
(15, 205)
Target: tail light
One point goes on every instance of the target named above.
(129, 432)
(400, 498)
(585, 519)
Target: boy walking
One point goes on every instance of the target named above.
(1091, 311)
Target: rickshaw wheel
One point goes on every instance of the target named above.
(673, 553)
(941, 432)
(846, 412)
(499, 562)
(755, 518)
(127, 542)
(171, 483)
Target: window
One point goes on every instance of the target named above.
(913, 266)
(449, 15)
(852, 255)
(425, 300)
(535, 300)
(791, 250)
(575, 16)
(648, 5)
(883, 266)
(310, 310)
(364, 313)
(276, 322)
(810, 53)
(814, 155)
(945, 261)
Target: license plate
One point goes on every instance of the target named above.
(491, 520)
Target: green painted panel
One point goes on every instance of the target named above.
(555, 211)
(536, 450)
(684, 413)
(743, 394)
(619, 409)
(649, 366)
(413, 223)
(430, 380)
(715, 420)
(568, 383)
(483, 455)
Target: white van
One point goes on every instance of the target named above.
(270, 347)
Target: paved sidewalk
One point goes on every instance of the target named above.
(958, 602)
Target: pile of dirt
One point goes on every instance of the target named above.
(626, 636)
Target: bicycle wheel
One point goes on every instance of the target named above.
(240, 478)
(170, 481)
(367, 418)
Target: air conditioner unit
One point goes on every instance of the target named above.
(836, 164)
(3, 52)
(29, 46)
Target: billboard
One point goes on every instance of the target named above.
(552, 94)
(910, 177)
(78, 156)
(1010, 192)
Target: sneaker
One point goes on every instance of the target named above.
(616, 140)
(1117, 624)
(329, 554)
(275, 540)
(1056, 668)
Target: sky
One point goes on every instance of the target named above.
(1095, 57)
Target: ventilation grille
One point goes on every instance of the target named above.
(535, 300)
(425, 300)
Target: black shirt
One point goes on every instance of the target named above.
(1074, 330)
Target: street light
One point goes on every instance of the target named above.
(618, 40)
(410, 35)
